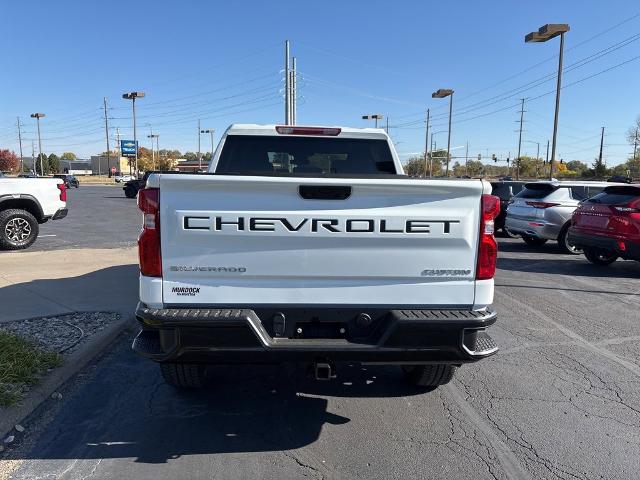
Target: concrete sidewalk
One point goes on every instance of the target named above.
(38, 284)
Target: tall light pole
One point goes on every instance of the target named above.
(545, 33)
(210, 131)
(199, 154)
(376, 117)
(153, 157)
(38, 116)
(426, 147)
(132, 96)
(443, 93)
(433, 149)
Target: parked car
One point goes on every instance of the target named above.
(309, 244)
(542, 211)
(69, 180)
(505, 190)
(607, 226)
(123, 178)
(132, 187)
(25, 203)
(27, 175)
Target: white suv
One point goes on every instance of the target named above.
(542, 211)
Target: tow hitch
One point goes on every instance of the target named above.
(324, 371)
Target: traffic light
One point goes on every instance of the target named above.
(494, 158)
(479, 156)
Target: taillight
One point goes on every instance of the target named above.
(487, 246)
(327, 131)
(63, 191)
(542, 204)
(149, 240)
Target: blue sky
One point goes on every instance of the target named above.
(222, 62)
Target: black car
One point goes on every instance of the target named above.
(132, 186)
(69, 180)
(505, 190)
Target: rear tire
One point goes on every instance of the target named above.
(600, 257)
(18, 229)
(130, 192)
(563, 242)
(429, 375)
(534, 241)
(184, 375)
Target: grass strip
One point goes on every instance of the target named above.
(21, 365)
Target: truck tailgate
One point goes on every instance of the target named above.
(238, 240)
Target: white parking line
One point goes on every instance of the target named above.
(41, 236)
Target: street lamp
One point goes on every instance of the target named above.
(210, 131)
(442, 93)
(545, 33)
(132, 96)
(38, 116)
(153, 158)
(376, 117)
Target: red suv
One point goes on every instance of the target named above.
(607, 226)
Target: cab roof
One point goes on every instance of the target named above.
(344, 132)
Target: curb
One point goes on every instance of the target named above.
(72, 365)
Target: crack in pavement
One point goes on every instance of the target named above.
(510, 463)
(583, 342)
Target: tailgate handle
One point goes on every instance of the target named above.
(324, 192)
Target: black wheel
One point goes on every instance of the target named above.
(429, 375)
(130, 192)
(600, 257)
(18, 229)
(184, 375)
(509, 234)
(565, 245)
(534, 241)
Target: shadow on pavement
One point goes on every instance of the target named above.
(577, 266)
(107, 289)
(125, 410)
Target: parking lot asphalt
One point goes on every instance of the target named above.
(560, 400)
(100, 216)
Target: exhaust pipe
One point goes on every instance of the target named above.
(324, 371)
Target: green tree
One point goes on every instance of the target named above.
(68, 156)
(577, 166)
(54, 163)
(9, 161)
(44, 164)
(190, 156)
(599, 168)
(415, 166)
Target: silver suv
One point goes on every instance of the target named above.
(542, 210)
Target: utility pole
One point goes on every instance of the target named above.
(426, 146)
(22, 160)
(106, 132)
(38, 116)
(635, 143)
(466, 159)
(294, 92)
(519, 141)
(287, 87)
(199, 157)
(547, 161)
(33, 155)
(387, 126)
(601, 145)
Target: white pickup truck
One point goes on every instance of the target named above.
(24, 204)
(309, 244)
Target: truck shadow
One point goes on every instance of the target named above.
(125, 410)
